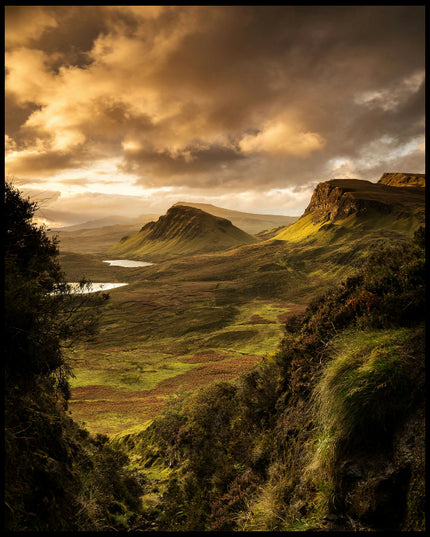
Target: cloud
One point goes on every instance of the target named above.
(390, 98)
(245, 98)
(38, 161)
(279, 138)
(26, 23)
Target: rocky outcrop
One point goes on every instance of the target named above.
(182, 231)
(339, 198)
(403, 179)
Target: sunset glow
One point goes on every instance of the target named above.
(128, 109)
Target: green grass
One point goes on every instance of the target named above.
(362, 390)
(153, 329)
(133, 369)
(351, 227)
(227, 302)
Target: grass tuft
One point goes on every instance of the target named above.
(362, 392)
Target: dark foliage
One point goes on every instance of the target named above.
(387, 291)
(56, 476)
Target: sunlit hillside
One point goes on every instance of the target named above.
(182, 230)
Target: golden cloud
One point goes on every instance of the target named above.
(26, 23)
(281, 138)
(209, 95)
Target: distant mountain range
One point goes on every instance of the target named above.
(183, 230)
(396, 202)
(249, 222)
(113, 220)
(97, 236)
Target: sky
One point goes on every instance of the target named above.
(126, 110)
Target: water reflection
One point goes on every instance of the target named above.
(93, 287)
(127, 263)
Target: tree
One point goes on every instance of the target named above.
(42, 314)
(48, 457)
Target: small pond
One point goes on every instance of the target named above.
(127, 263)
(94, 287)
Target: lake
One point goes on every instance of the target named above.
(94, 287)
(127, 263)
(106, 286)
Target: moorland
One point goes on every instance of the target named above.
(272, 383)
(191, 319)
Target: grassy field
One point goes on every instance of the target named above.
(184, 323)
(174, 326)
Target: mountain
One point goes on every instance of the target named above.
(183, 230)
(109, 221)
(357, 206)
(92, 240)
(96, 236)
(249, 222)
(403, 179)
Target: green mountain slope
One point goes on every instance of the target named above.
(349, 208)
(182, 231)
(326, 435)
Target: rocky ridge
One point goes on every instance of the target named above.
(182, 230)
(403, 179)
(186, 222)
(339, 198)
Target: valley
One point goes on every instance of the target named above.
(215, 269)
(184, 322)
(235, 383)
(168, 329)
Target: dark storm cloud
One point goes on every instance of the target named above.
(193, 160)
(204, 96)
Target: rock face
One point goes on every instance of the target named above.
(339, 198)
(336, 199)
(403, 179)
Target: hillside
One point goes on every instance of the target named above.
(230, 303)
(403, 179)
(327, 434)
(350, 207)
(249, 222)
(181, 231)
